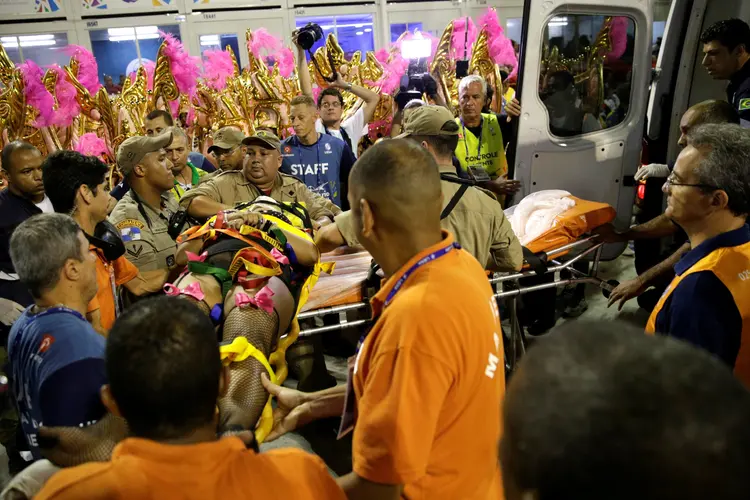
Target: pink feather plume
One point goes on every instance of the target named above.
(263, 44)
(36, 94)
(91, 145)
(285, 61)
(88, 69)
(316, 92)
(184, 67)
(619, 36)
(500, 47)
(393, 69)
(67, 104)
(461, 44)
(218, 67)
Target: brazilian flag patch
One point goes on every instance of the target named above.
(744, 104)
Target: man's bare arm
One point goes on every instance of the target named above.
(303, 71)
(329, 238)
(370, 98)
(203, 207)
(657, 227)
(359, 488)
(147, 282)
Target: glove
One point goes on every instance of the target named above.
(9, 311)
(652, 170)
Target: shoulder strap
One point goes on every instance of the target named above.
(454, 201)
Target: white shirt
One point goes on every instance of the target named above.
(45, 206)
(355, 127)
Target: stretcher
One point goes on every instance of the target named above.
(568, 241)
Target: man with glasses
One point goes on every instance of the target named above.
(227, 149)
(331, 104)
(655, 274)
(708, 195)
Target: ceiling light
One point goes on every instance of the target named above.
(38, 43)
(142, 30)
(34, 38)
(360, 32)
(368, 30)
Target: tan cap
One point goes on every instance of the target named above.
(132, 150)
(427, 120)
(227, 138)
(263, 138)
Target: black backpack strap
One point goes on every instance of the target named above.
(454, 201)
(537, 261)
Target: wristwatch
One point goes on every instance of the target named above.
(349, 86)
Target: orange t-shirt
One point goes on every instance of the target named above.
(222, 469)
(429, 381)
(120, 271)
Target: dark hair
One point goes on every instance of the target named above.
(159, 113)
(164, 369)
(600, 410)
(443, 145)
(64, 172)
(7, 156)
(715, 111)
(726, 156)
(331, 91)
(730, 33)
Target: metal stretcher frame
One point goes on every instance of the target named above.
(516, 339)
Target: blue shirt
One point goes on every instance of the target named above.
(57, 369)
(200, 161)
(701, 310)
(324, 166)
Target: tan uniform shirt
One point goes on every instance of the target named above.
(477, 222)
(231, 188)
(147, 242)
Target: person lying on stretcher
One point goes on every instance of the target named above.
(250, 270)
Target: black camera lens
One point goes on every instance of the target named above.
(308, 35)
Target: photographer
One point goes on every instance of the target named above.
(331, 104)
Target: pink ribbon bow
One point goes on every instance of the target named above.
(263, 300)
(192, 257)
(280, 257)
(192, 290)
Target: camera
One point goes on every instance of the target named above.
(308, 35)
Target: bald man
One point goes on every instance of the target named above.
(434, 352)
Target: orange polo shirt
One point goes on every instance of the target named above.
(120, 271)
(222, 470)
(429, 381)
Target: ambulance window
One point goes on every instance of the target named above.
(587, 63)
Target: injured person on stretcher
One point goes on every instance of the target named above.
(250, 270)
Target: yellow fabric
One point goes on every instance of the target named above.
(492, 153)
(729, 264)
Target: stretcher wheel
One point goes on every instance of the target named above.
(608, 286)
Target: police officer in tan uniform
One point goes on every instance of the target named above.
(259, 176)
(470, 213)
(143, 215)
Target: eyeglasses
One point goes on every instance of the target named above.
(671, 182)
(328, 105)
(219, 154)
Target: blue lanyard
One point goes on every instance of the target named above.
(466, 144)
(424, 260)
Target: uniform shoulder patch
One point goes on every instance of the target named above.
(129, 223)
(130, 229)
(744, 104)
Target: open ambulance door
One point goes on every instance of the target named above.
(583, 87)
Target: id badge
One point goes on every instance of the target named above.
(479, 174)
(349, 417)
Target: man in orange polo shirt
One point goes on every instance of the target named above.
(165, 377)
(428, 379)
(76, 185)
